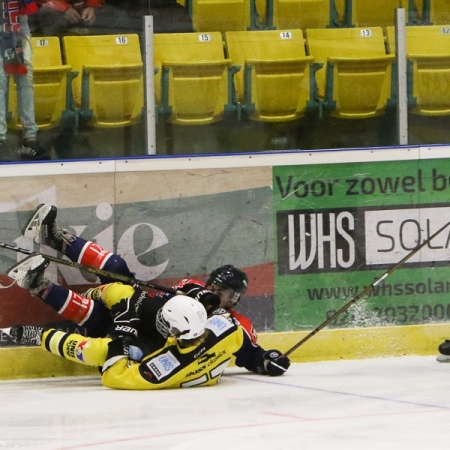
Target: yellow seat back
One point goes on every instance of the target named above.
(220, 15)
(110, 88)
(49, 82)
(420, 40)
(303, 14)
(191, 83)
(428, 50)
(370, 13)
(355, 81)
(438, 13)
(278, 86)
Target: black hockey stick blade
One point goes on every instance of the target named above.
(89, 269)
(365, 291)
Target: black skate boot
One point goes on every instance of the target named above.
(42, 227)
(29, 273)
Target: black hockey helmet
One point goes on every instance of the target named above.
(229, 277)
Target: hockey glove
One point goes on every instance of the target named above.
(209, 300)
(124, 347)
(274, 363)
(125, 318)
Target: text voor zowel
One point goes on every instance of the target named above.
(364, 185)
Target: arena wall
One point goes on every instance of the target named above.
(177, 217)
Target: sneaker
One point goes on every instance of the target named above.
(43, 229)
(25, 334)
(29, 273)
(31, 150)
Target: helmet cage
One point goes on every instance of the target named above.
(181, 317)
(162, 325)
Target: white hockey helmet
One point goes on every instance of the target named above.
(182, 317)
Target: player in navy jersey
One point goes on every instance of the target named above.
(224, 288)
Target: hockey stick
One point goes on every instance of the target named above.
(364, 292)
(89, 269)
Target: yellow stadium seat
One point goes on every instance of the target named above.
(435, 12)
(52, 87)
(110, 90)
(276, 80)
(222, 15)
(193, 83)
(301, 14)
(428, 54)
(379, 13)
(356, 80)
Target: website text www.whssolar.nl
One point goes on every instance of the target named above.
(419, 309)
(429, 286)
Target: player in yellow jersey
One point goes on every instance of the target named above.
(196, 353)
(133, 309)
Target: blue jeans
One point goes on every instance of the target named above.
(25, 90)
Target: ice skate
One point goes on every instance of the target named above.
(43, 229)
(25, 334)
(29, 273)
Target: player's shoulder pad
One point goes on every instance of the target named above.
(220, 323)
(223, 312)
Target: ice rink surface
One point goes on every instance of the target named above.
(383, 404)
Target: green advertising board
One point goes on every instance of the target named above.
(339, 227)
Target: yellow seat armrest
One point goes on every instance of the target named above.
(112, 66)
(280, 61)
(429, 57)
(222, 62)
(361, 59)
(52, 69)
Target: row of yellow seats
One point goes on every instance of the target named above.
(263, 75)
(242, 15)
(94, 79)
(272, 76)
